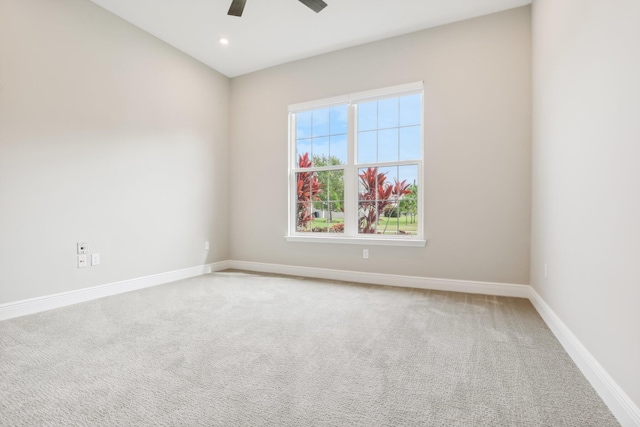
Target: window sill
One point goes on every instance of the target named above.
(375, 241)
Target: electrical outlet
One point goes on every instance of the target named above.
(206, 246)
(365, 253)
(95, 259)
(83, 247)
(82, 261)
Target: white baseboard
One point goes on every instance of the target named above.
(472, 287)
(627, 413)
(49, 302)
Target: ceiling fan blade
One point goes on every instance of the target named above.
(315, 5)
(237, 6)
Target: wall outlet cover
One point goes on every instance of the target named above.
(82, 248)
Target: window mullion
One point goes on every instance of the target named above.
(350, 193)
(292, 174)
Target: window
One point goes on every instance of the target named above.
(356, 168)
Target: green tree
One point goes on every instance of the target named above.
(409, 204)
(333, 184)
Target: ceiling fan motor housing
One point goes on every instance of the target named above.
(237, 6)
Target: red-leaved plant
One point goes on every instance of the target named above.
(376, 196)
(308, 189)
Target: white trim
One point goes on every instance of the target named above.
(378, 241)
(49, 302)
(626, 412)
(384, 164)
(291, 217)
(397, 90)
(350, 176)
(472, 287)
(319, 168)
(320, 103)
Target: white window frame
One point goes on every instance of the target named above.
(351, 235)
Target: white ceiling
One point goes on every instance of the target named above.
(273, 32)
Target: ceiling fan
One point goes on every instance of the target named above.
(237, 6)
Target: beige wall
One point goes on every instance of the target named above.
(477, 76)
(109, 136)
(586, 175)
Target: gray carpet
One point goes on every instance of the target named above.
(237, 349)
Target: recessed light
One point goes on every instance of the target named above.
(224, 41)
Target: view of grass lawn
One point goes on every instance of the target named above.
(404, 224)
(322, 222)
(392, 225)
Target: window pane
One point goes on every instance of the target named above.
(388, 145)
(411, 110)
(335, 209)
(318, 222)
(408, 203)
(304, 213)
(320, 148)
(409, 174)
(303, 124)
(390, 175)
(303, 146)
(335, 188)
(370, 181)
(388, 223)
(367, 217)
(327, 205)
(378, 200)
(322, 196)
(308, 191)
(362, 186)
(388, 113)
(320, 122)
(335, 218)
(367, 183)
(324, 160)
(367, 147)
(408, 222)
(304, 160)
(410, 142)
(339, 119)
(368, 116)
(338, 149)
(320, 204)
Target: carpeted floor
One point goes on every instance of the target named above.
(237, 349)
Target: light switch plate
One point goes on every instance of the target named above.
(82, 261)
